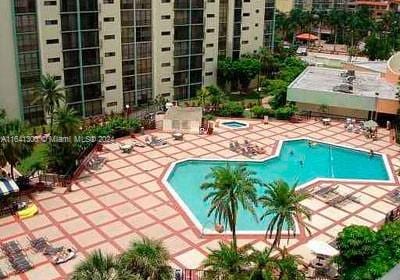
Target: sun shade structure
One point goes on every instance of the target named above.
(7, 187)
(322, 248)
(306, 37)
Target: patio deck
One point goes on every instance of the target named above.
(125, 200)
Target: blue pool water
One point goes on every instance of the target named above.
(297, 162)
(234, 124)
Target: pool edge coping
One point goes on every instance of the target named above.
(205, 231)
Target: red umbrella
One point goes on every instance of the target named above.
(307, 37)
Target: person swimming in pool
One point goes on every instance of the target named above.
(371, 153)
(301, 163)
(291, 153)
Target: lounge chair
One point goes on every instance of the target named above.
(232, 147)
(325, 191)
(394, 195)
(64, 256)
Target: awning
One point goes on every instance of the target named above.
(7, 187)
(307, 37)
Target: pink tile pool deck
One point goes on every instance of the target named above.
(126, 200)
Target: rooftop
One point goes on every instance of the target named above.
(325, 79)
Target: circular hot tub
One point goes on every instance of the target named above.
(234, 124)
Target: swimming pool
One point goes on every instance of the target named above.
(235, 124)
(296, 161)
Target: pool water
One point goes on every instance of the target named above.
(297, 162)
(234, 124)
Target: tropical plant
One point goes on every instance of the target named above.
(283, 204)
(263, 266)
(148, 258)
(230, 189)
(231, 109)
(67, 121)
(217, 96)
(50, 95)
(12, 148)
(245, 70)
(98, 266)
(203, 97)
(227, 262)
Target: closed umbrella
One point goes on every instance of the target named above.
(371, 124)
(322, 248)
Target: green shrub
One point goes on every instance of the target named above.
(284, 113)
(260, 111)
(231, 109)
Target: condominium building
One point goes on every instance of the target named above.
(111, 54)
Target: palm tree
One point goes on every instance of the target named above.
(227, 263)
(230, 189)
(148, 258)
(283, 203)
(289, 265)
(263, 265)
(217, 96)
(99, 266)
(50, 94)
(203, 97)
(67, 121)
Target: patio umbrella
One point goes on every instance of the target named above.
(7, 187)
(307, 37)
(322, 248)
(370, 124)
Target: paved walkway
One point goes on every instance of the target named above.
(126, 200)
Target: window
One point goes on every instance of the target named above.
(108, 19)
(50, 3)
(108, 1)
(210, 30)
(209, 59)
(210, 15)
(164, 33)
(256, 25)
(246, 14)
(165, 1)
(246, 1)
(57, 78)
(143, 34)
(27, 42)
(111, 87)
(53, 59)
(112, 104)
(245, 28)
(211, 1)
(51, 22)
(166, 94)
(165, 64)
(209, 45)
(25, 23)
(52, 41)
(165, 17)
(143, 17)
(256, 38)
(209, 73)
(164, 80)
(108, 54)
(143, 66)
(165, 49)
(109, 37)
(257, 11)
(110, 71)
(245, 42)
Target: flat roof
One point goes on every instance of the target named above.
(376, 66)
(325, 79)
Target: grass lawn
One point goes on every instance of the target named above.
(38, 157)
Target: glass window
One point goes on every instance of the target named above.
(181, 17)
(181, 78)
(25, 6)
(71, 59)
(143, 34)
(90, 57)
(197, 16)
(77, 108)
(196, 62)
(128, 83)
(143, 17)
(72, 76)
(127, 4)
(128, 51)
(143, 66)
(88, 5)
(28, 61)
(195, 76)
(30, 79)
(181, 48)
(93, 108)
(197, 3)
(181, 33)
(27, 42)
(144, 81)
(68, 6)
(90, 39)
(182, 4)
(197, 47)
(181, 92)
(143, 4)
(91, 74)
(70, 40)
(143, 50)
(181, 63)
(69, 22)
(128, 35)
(197, 31)
(144, 96)
(89, 21)
(128, 68)
(25, 23)
(127, 18)
(73, 94)
(92, 91)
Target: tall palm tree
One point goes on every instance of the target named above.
(67, 121)
(148, 258)
(227, 263)
(99, 266)
(50, 94)
(203, 97)
(283, 203)
(230, 189)
(263, 265)
(217, 96)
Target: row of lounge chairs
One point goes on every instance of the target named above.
(59, 254)
(16, 256)
(246, 148)
(333, 196)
